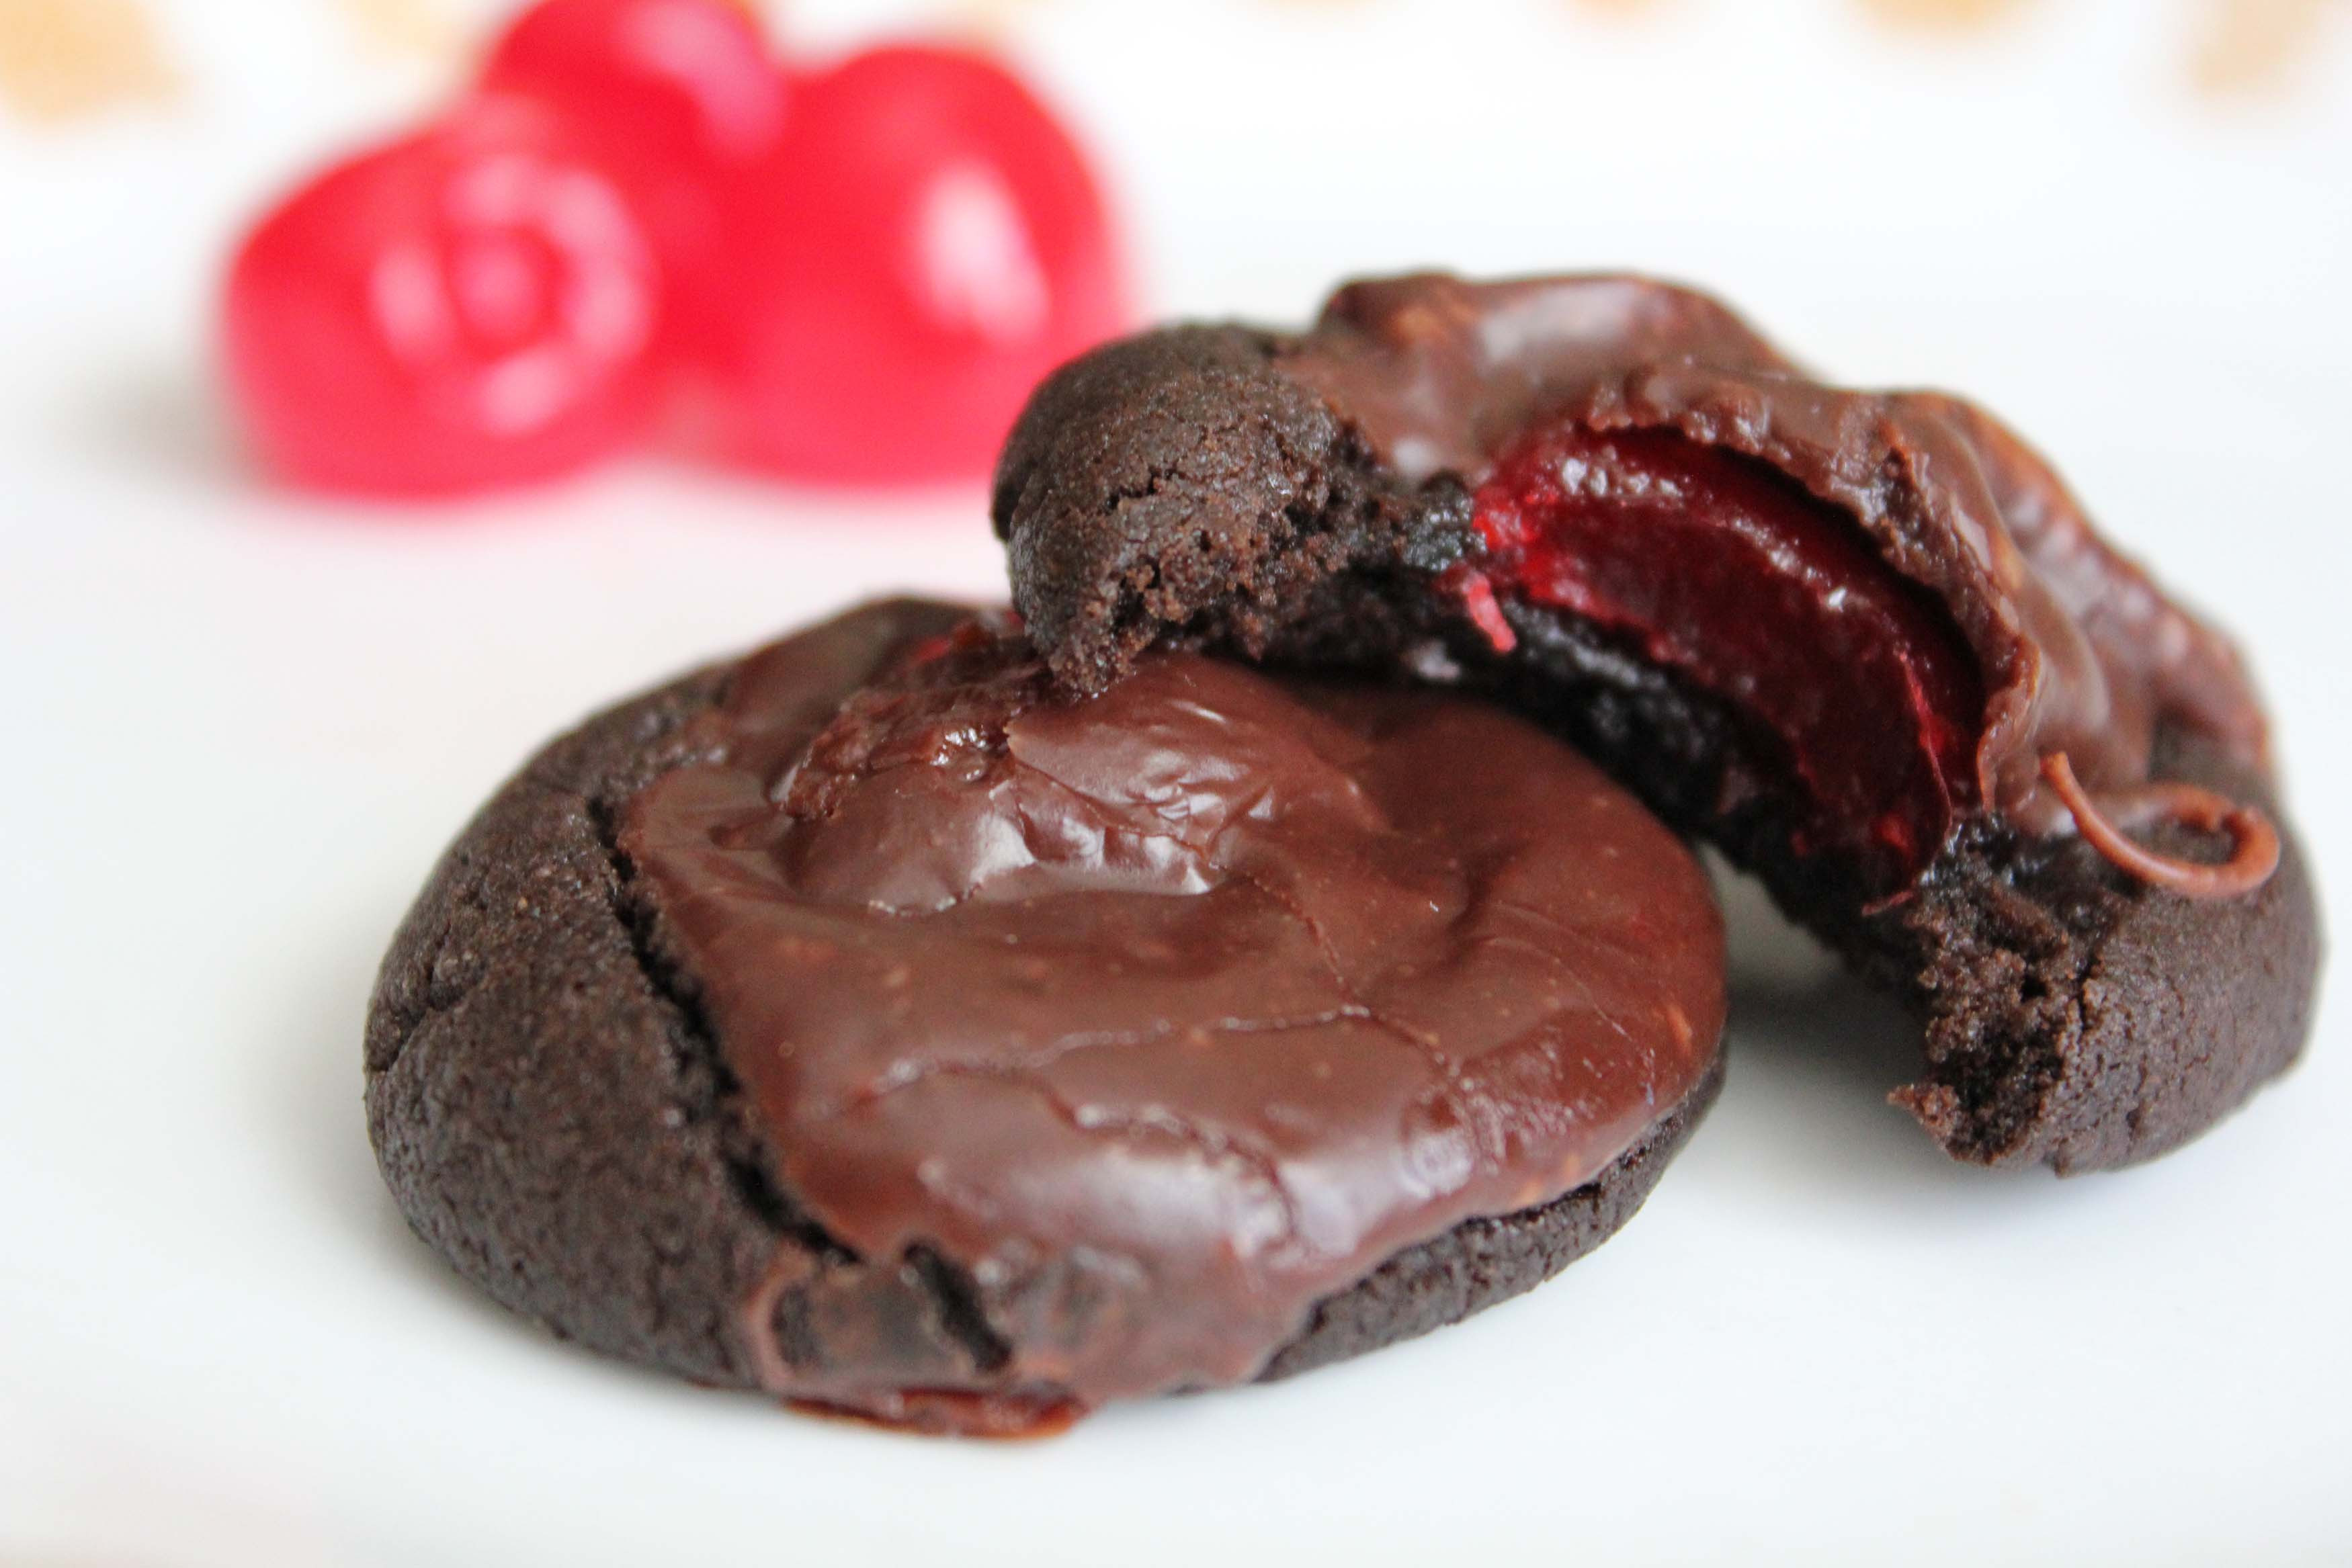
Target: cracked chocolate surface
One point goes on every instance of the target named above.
(1154, 1020)
(554, 1114)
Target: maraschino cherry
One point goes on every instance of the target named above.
(682, 103)
(1723, 570)
(475, 305)
(931, 243)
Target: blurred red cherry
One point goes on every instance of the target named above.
(928, 243)
(672, 80)
(474, 304)
(680, 100)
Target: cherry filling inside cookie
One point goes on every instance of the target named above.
(1728, 574)
(1131, 1029)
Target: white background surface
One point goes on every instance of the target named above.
(236, 726)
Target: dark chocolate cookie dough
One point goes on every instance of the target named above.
(1866, 642)
(853, 1023)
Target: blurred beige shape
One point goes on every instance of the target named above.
(63, 59)
(2250, 48)
(1944, 16)
(1616, 7)
(418, 28)
(426, 28)
(988, 18)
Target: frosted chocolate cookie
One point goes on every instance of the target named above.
(865, 1022)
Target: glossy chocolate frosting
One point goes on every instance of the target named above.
(2080, 653)
(1156, 1018)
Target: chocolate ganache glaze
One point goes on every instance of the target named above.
(2078, 656)
(1158, 1017)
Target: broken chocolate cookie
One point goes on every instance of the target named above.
(1864, 641)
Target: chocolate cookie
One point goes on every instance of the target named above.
(1864, 641)
(855, 1023)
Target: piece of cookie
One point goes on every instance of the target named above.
(854, 1023)
(1864, 641)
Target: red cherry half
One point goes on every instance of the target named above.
(474, 304)
(1716, 567)
(931, 241)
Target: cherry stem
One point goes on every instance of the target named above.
(2254, 842)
